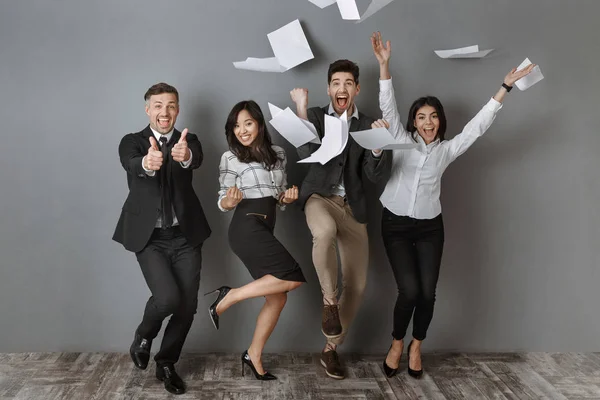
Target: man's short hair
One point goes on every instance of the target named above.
(343, 66)
(161, 88)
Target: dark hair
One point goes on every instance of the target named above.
(161, 88)
(342, 66)
(429, 101)
(261, 150)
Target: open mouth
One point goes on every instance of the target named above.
(164, 122)
(429, 132)
(341, 101)
(245, 137)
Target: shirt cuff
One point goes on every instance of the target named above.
(219, 202)
(187, 163)
(148, 171)
(385, 84)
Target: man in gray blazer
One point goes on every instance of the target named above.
(334, 201)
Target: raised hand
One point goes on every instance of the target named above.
(180, 152)
(380, 123)
(381, 51)
(154, 158)
(290, 195)
(300, 97)
(515, 75)
(233, 197)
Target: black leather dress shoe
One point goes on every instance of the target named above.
(140, 351)
(173, 383)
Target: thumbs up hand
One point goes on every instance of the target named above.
(180, 152)
(154, 159)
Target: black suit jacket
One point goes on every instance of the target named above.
(322, 179)
(142, 207)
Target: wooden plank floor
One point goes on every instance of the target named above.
(85, 376)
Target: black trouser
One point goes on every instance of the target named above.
(172, 271)
(414, 249)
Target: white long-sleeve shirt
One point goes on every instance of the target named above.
(413, 189)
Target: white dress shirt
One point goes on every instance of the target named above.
(253, 179)
(413, 189)
(184, 164)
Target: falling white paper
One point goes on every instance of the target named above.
(260, 64)
(349, 10)
(345, 129)
(294, 129)
(322, 3)
(529, 80)
(379, 138)
(463, 52)
(290, 47)
(375, 6)
(334, 140)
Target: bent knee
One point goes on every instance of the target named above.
(278, 299)
(167, 305)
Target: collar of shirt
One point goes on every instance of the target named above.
(331, 111)
(427, 147)
(158, 135)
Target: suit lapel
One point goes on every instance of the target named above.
(147, 133)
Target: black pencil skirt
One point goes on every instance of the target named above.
(251, 239)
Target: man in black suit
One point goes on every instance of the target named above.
(163, 223)
(334, 201)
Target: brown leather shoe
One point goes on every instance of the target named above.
(331, 362)
(331, 325)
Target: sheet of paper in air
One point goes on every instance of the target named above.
(295, 130)
(528, 81)
(379, 138)
(463, 52)
(375, 6)
(290, 47)
(334, 140)
(349, 10)
(322, 3)
(345, 129)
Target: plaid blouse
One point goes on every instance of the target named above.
(253, 179)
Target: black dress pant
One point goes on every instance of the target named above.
(172, 271)
(414, 249)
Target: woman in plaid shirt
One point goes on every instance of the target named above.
(253, 182)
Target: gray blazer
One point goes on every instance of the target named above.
(322, 179)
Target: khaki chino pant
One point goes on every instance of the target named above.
(331, 223)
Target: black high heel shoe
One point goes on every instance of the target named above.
(264, 377)
(412, 372)
(389, 371)
(212, 310)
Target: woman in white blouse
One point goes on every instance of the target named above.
(253, 181)
(412, 227)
